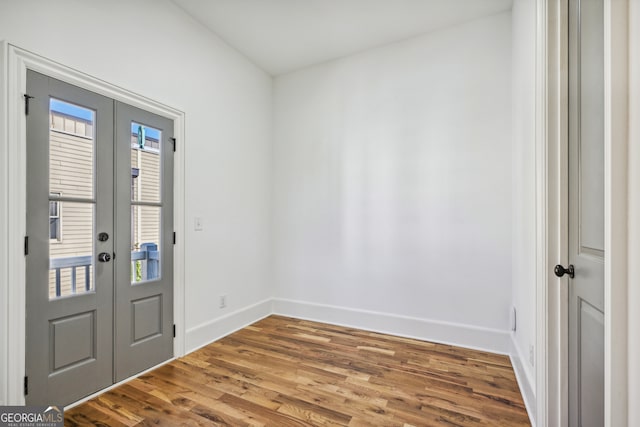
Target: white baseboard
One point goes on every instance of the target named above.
(524, 379)
(213, 330)
(485, 339)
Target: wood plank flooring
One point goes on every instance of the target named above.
(289, 372)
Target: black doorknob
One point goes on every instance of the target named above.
(104, 257)
(561, 271)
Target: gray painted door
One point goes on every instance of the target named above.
(99, 223)
(586, 212)
(144, 274)
(69, 335)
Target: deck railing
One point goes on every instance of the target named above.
(148, 258)
(73, 263)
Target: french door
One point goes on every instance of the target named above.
(99, 299)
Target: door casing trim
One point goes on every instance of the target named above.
(616, 215)
(15, 62)
(552, 211)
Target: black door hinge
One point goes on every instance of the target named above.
(26, 385)
(174, 330)
(26, 245)
(26, 103)
(174, 144)
(174, 237)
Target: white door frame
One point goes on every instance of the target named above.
(616, 267)
(633, 332)
(13, 71)
(552, 210)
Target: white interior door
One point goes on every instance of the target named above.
(586, 212)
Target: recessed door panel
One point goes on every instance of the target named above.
(586, 212)
(73, 341)
(590, 124)
(591, 372)
(147, 318)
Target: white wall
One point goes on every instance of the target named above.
(392, 182)
(524, 186)
(152, 48)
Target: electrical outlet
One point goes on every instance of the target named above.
(531, 353)
(223, 301)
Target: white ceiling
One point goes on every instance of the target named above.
(285, 35)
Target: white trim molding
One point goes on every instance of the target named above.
(544, 205)
(4, 227)
(633, 219)
(525, 383)
(15, 201)
(213, 330)
(616, 162)
(15, 62)
(552, 185)
(473, 337)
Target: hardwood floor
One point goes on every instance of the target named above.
(289, 372)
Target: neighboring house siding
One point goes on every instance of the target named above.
(146, 187)
(71, 165)
(70, 175)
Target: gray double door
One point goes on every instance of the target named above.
(586, 212)
(99, 244)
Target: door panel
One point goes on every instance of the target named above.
(586, 212)
(144, 272)
(589, 46)
(99, 183)
(69, 296)
(591, 375)
(73, 340)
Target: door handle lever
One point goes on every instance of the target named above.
(561, 271)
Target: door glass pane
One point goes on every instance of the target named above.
(70, 248)
(145, 243)
(71, 176)
(71, 149)
(145, 163)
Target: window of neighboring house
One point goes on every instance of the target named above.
(54, 218)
